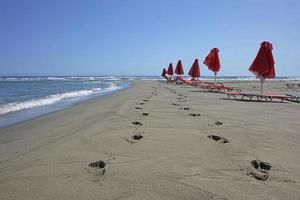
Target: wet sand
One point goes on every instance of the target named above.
(157, 141)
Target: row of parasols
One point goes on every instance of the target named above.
(262, 66)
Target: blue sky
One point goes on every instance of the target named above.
(140, 37)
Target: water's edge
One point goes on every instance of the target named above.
(23, 116)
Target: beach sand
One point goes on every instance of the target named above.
(49, 157)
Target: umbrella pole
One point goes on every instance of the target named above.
(215, 78)
(262, 80)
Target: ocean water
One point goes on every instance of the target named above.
(24, 98)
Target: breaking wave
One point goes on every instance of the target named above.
(52, 99)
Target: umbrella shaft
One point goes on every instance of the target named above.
(262, 80)
(215, 78)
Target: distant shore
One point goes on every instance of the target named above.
(172, 157)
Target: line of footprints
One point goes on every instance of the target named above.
(137, 124)
(181, 98)
(99, 168)
(257, 168)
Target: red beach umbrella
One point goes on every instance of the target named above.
(170, 70)
(195, 70)
(164, 72)
(212, 61)
(263, 64)
(179, 68)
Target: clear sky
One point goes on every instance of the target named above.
(140, 37)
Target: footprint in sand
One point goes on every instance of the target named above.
(184, 108)
(219, 139)
(195, 114)
(99, 167)
(98, 164)
(219, 197)
(175, 104)
(138, 108)
(259, 170)
(145, 114)
(145, 100)
(140, 104)
(218, 123)
(182, 101)
(137, 123)
(134, 138)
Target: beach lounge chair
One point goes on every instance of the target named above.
(180, 80)
(295, 96)
(258, 97)
(169, 79)
(191, 82)
(218, 87)
(207, 86)
(227, 89)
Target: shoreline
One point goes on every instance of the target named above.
(23, 129)
(14, 118)
(48, 157)
(70, 107)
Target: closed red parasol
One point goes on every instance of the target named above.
(164, 72)
(212, 61)
(263, 64)
(195, 70)
(170, 70)
(179, 68)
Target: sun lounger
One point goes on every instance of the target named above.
(281, 97)
(169, 79)
(227, 89)
(187, 82)
(207, 86)
(295, 96)
(258, 97)
(218, 87)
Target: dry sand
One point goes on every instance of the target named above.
(48, 157)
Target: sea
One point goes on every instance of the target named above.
(25, 98)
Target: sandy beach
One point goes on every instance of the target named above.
(49, 157)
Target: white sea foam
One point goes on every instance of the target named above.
(111, 86)
(97, 89)
(57, 78)
(47, 100)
